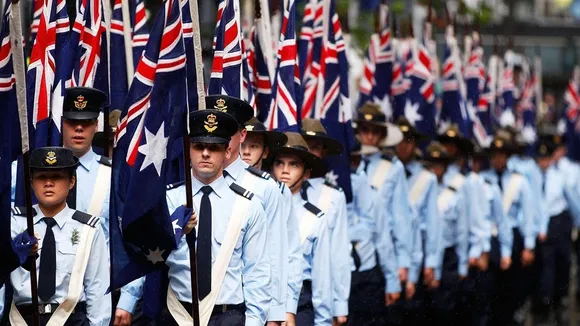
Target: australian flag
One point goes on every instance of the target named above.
(144, 233)
(572, 115)
(504, 114)
(310, 57)
(475, 83)
(258, 72)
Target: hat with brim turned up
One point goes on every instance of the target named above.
(314, 130)
(296, 145)
(272, 139)
(371, 114)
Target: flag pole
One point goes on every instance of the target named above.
(18, 63)
(197, 50)
(128, 40)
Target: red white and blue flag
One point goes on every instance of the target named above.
(310, 57)
(572, 115)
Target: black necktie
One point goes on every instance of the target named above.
(71, 198)
(408, 173)
(366, 162)
(355, 256)
(499, 175)
(47, 277)
(544, 184)
(304, 190)
(204, 244)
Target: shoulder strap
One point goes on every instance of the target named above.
(105, 161)
(175, 185)
(444, 198)
(511, 191)
(457, 181)
(281, 185)
(313, 209)
(380, 175)
(418, 187)
(324, 199)
(85, 218)
(308, 221)
(333, 186)
(101, 188)
(21, 211)
(241, 191)
(258, 172)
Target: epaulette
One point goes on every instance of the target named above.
(452, 188)
(175, 185)
(387, 156)
(85, 218)
(258, 172)
(241, 191)
(281, 185)
(105, 161)
(333, 186)
(21, 211)
(313, 209)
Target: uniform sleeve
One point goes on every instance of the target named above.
(104, 217)
(477, 209)
(2, 296)
(295, 267)
(386, 250)
(277, 238)
(130, 294)
(505, 233)
(541, 217)
(462, 235)
(322, 298)
(256, 268)
(401, 211)
(527, 207)
(434, 227)
(417, 253)
(573, 200)
(96, 282)
(340, 259)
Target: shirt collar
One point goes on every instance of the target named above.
(219, 186)
(87, 160)
(373, 155)
(236, 168)
(60, 218)
(414, 167)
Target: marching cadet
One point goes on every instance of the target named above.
(387, 177)
(232, 256)
(366, 300)
(453, 252)
(498, 245)
(560, 200)
(332, 201)
(294, 164)
(73, 270)
(268, 194)
(427, 224)
(516, 203)
(255, 148)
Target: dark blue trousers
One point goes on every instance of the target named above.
(367, 298)
(442, 302)
(305, 313)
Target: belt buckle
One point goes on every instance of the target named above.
(44, 309)
(224, 308)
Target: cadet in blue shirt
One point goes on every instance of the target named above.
(267, 192)
(73, 272)
(387, 177)
(560, 201)
(516, 203)
(427, 224)
(452, 264)
(232, 255)
(294, 164)
(332, 201)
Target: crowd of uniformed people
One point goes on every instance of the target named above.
(438, 232)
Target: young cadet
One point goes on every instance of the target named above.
(453, 261)
(73, 269)
(366, 300)
(562, 202)
(498, 245)
(268, 194)
(427, 225)
(516, 203)
(255, 148)
(293, 165)
(387, 177)
(233, 267)
(332, 201)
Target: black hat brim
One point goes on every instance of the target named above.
(209, 140)
(463, 144)
(313, 163)
(80, 115)
(272, 139)
(415, 135)
(333, 146)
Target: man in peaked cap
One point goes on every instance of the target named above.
(74, 253)
(453, 249)
(426, 222)
(386, 174)
(229, 217)
(332, 201)
(562, 204)
(268, 194)
(293, 165)
(516, 199)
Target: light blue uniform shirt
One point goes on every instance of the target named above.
(339, 243)
(96, 278)
(427, 222)
(268, 193)
(520, 213)
(498, 221)
(557, 196)
(247, 279)
(528, 168)
(477, 208)
(455, 229)
(295, 259)
(394, 207)
(571, 170)
(316, 251)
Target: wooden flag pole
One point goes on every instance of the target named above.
(194, 12)
(128, 40)
(18, 64)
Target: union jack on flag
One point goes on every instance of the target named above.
(36, 12)
(475, 82)
(505, 110)
(151, 123)
(310, 57)
(258, 73)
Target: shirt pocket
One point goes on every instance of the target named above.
(66, 253)
(219, 236)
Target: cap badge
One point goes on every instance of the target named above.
(404, 128)
(210, 124)
(451, 133)
(436, 154)
(220, 104)
(498, 143)
(80, 102)
(250, 128)
(368, 117)
(311, 133)
(543, 149)
(50, 158)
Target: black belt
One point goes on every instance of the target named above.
(218, 308)
(49, 308)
